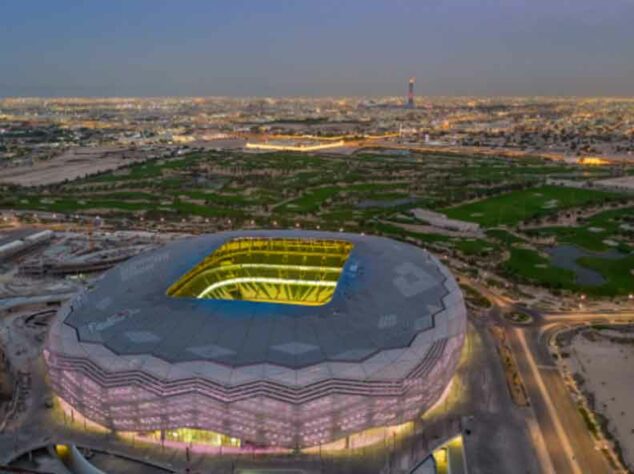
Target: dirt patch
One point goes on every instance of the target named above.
(602, 362)
(72, 164)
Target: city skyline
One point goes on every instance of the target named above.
(247, 48)
(326, 237)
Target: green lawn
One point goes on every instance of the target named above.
(503, 236)
(517, 206)
(595, 231)
(187, 208)
(579, 236)
(618, 273)
(123, 196)
(311, 200)
(528, 264)
(476, 247)
(219, 199)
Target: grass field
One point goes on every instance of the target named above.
(474, 247)
(618, 274)
(290, 189)
(310, 201)
(517, 206)
(596, 233)
(531, 266)
(503, 236)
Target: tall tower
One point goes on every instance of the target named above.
(410, 93)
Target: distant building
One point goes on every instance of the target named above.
(410, 93)
(294, 145)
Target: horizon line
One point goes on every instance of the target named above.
(314, 97)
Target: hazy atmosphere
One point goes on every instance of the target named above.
(326, 47)
(317, 236)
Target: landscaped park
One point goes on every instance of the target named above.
(565, 238)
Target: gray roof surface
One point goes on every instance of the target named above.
(387, 294)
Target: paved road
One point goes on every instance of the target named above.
(501, 437)
(570, 445)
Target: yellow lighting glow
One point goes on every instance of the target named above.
(273, 270)
(194, 436)
(291, 147)
(593, 161)
(62, 450)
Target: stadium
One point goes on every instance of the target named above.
(268, 338)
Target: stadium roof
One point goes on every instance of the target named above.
(386, 294)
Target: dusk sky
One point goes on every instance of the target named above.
(316, 47)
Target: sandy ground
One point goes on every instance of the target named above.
(608, 369)
(71, 164)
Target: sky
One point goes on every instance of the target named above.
(316, 47)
